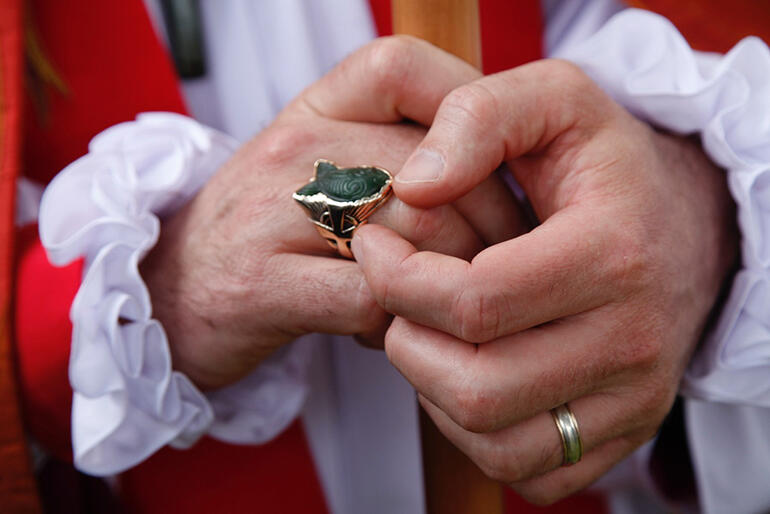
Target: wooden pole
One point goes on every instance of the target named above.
(453, 484)
(452, 25)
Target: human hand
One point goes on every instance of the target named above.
(239, 271)
(600, 306)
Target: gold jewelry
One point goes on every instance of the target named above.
(567, 424)
(339, 200)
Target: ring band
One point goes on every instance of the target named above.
(567, 424)
(339, 200)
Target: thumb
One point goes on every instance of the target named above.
(497, 118)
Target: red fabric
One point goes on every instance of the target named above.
(17, 486)
(383, 16)
(511, 33)
(697, 20)
(114, 67)
(218, 477)
(100, 61)
(43, 333)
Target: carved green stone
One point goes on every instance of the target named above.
(345, 184)
(338, 200)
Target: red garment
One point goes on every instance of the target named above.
(713, 25)
(101, 49)
(17, 484)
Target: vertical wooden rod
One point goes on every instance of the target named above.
(452, 25)
(453, 484)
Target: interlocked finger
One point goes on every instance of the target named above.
(532, 447)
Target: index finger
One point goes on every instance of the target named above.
(485, 388)
(556, 270)
(388, 80)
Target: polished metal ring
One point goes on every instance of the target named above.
(567, 425)
(339, 200)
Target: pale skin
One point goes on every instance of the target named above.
(240, 271)
(600, 306)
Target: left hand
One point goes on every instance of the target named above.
(600, 306)
(239, 272)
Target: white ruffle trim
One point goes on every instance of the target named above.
(643, 62)
(128, 402)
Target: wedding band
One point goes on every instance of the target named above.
(339, 200)
(567, 425)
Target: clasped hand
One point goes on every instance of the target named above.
(599, 306)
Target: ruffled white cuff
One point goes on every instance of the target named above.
(643, 62)
(128, 402)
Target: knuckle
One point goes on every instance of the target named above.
(474, 407)
(645, 353)
(567, 72)
(539, 495)
(545, 489)
(426, 224)
(646, 434)
(477, 315)
(420, 224)
(393, 339)
(369, 310)
(384, 293)
(391, 289)
(656, 404)
(578, 94)
(501, 465)
(644, 335)
(568, 76)
(496, 468)
(630, 262)
(284, 143)
(472, 105)
(398, 338)
(388, 59)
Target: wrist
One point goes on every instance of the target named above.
(104, 207)
(177, 296)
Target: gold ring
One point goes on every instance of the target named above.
(339, 200)
(567, 424)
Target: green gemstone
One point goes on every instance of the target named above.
(345, 184)
(310, 189)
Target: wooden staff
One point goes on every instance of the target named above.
(453, 484)
(452, 25)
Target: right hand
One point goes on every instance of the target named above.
(239, 271)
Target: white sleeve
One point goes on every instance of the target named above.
(128, 402)
(642, 61)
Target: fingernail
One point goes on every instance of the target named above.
(423, 167)
(356, 246)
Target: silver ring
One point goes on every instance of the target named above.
(567, 425)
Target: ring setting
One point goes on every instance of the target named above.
(339, 200)
(567, 424)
